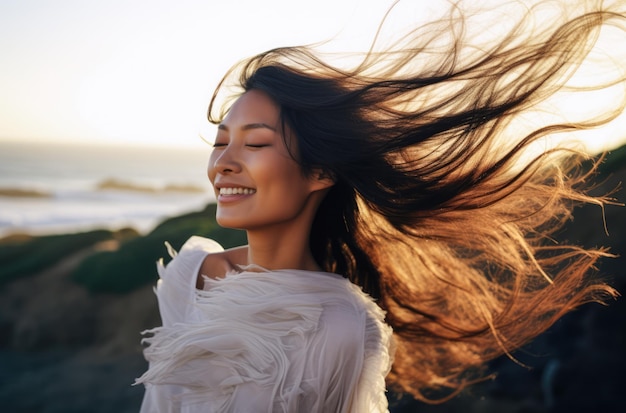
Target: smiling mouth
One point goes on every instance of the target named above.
(237, 191)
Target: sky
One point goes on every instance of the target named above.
(142, 71)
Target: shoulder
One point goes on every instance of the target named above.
(177, 279)
(200, 257)
(217, 264)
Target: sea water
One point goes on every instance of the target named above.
(57, 188)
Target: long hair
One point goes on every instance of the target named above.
(439, 211)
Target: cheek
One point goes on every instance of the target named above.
(211, 168)
(289, 185)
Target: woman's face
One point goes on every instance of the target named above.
(256, 181)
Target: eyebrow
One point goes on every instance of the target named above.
(249, 126)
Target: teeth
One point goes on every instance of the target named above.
(236, 191)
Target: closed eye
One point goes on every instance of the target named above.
(257, 145)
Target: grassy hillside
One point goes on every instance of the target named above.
(22, 255)
(133, 264)
(113, 271)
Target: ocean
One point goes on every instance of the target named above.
(59, 188)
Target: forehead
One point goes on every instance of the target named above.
(253, 105)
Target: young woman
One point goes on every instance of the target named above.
(394, 212)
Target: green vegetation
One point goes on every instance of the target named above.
(133, 265)
(23, 255)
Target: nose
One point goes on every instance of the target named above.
(223, 160)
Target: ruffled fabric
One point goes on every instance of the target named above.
(263, 341)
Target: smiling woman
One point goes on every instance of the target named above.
(386, 220)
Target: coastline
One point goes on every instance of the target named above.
(56, 188)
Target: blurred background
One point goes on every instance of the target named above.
(102, 114)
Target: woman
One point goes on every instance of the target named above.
(395, 196)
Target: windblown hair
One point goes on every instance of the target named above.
(439, 211)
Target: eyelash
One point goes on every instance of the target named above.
(219, 145)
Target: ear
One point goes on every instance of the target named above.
(321, 180)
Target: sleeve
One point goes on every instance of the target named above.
(377, 360)
(177, 280)
(175, 292)
(354, 358)
(343, 357)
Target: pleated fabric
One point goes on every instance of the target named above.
(263, 341)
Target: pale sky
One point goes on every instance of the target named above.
(142, 71)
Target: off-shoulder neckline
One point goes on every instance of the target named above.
(251, 268)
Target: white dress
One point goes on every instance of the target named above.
(263, 341)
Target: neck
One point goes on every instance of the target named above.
(286, 245)
(277, 249)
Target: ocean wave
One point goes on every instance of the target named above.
(82, 211)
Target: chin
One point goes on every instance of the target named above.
(226, 223)
(230, 222)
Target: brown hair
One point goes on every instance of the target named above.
(438, 210)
